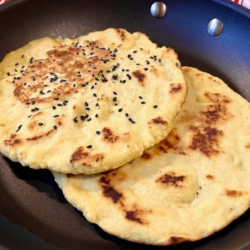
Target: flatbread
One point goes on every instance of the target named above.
(190, 185)
(89, 104)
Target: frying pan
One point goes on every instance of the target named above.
(34, 215)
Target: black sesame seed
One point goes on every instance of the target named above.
(143, 102)
(159, 60)
(98, 132)
(155, 106)
(86, 104)
(140, 97)
(31, 59)
(129, 76)
(8, 73)
(89, 119)
(146, 69)
(55, 127)
(131, 120)
(97, 105)
(34, 109)
(75, 120)
(129, 56)
(59, 105)
(135, 51)
(95, 95)
(120, 110)
(114, 93)
(114, 77)
(82, 117)
(19, 127)
(54, 107)
(89, 146)
(56, 99)
(16, 64)
(127, 115)
(96, 115)
(40, 124)
(114, 99)
(56, 116)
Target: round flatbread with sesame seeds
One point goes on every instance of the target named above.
(89, 104)
(190, 185)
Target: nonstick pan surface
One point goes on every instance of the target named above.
(34, 215)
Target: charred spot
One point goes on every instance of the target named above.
(171, 179)
(133, 216)
(146, 156)
(121, 33)
(108, 135)
(78, 155)
(109, 191)
(233, 193)
(176, 240)
(139, 76)
(12, 141)
(175, 88)
(162, 149)
(158, 120)
(206, 140)
(215, 113)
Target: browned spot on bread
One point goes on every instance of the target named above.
(210, 177)
(109, 191)
(37, 137)
(187, 117)
(139, 76)
(158, 120)
(175, 88)
(171, 179)
(121, 33)
(133, 215)
(146, 156)
(206, 140)
(32, 125)
(84, 157)
(69, 175)
(174, 240)
(234, 193)
(64, 62)
(217, 97)
(171, 142)
(108, 135)
(248, 145)
(12, 141)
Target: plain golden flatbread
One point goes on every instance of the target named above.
(190, 185)
(89, 104)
